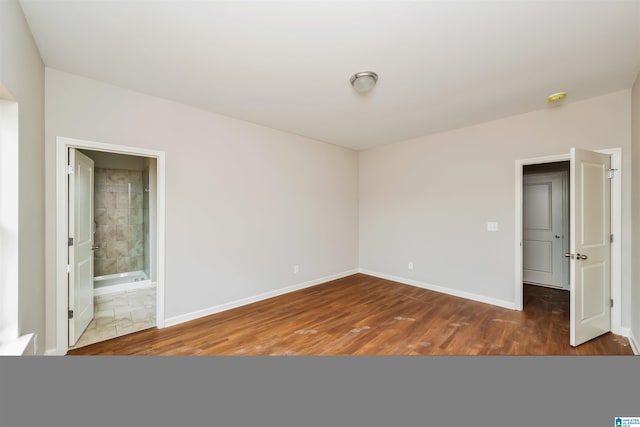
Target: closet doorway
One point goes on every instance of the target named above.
(595, 219)
(545, 224)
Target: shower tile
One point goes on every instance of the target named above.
(104, 266)
(105, 233)
(135, 232)
(118, 216)
(118, 250)
(122, 200)
(117, 176)
(122, 233)
(100, 176)
(105, 200)
(135, 216)
(100, 216)
(135, 248)
(123, 264)
(136, 201)
(135, 177)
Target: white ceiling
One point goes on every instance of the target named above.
(286, 64)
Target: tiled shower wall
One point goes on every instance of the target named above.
(119, 224)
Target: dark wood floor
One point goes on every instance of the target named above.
(364, 315)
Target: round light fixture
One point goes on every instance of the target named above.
(556, 97)
(364, 81)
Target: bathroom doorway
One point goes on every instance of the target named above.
(124, 286)
(111, 219)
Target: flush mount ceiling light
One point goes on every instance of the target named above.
(364, 81)
(556, 97)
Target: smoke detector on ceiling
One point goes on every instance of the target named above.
(556, 97)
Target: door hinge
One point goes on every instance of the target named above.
(70, 313)
(70, 170)
(610, 238)
(611, 303)
(612, 173)
(70, 241)
(68, 268)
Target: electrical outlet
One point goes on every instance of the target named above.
(296, 269)
(410, 265)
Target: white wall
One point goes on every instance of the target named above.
(244, 202)
(22, 74)
(428, 200)
(635, 252)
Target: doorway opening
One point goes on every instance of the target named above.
(545, 225)
(615, 224)
(110, 230)
(124, 278)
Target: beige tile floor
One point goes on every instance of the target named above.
(119, 314)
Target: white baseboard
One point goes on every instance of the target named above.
(171, 321)
(625, 332)
(444, 290)
(52, 352)
(634, 344)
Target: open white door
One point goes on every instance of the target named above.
(81, 248)
(590, 245)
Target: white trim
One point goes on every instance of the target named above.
(442, 289)
(171, 321)
(634, 344)
(616, 246)
(62, 297)
(123, 287)
(616, 229)
(518, 301)
(21, 346)
(10, 219)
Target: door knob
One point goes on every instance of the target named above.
(568, 255)
(556, 236)
(581, 256)
(95, 247)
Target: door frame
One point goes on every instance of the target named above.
(616, 230)
(62, 200)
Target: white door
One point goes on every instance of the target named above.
(81, 251)
(543, 229)
(590, 245)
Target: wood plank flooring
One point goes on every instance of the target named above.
(364, 315)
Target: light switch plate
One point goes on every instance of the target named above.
(492, 226)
